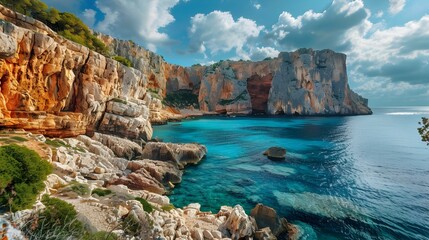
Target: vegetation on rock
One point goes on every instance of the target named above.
(101, 192)
(181, 99)
(66, 24)
(22, 172)
(147, 207)
(168, 207)
(57, 221)
(424, 130)
(241, 96)
(123, 60)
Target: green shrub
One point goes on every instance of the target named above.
(424, 130)
(19, 139)
(101, 192)
(79, 188)
(65, 24)
(57, 221)
(123, 60)
(181, 99)
(22, 173)
(102, 235)
(131, 225)
(168, 207)
(56, 143)
(119, 100)
(147, 207)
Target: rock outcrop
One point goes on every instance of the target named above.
(266, 217)
(180, 154)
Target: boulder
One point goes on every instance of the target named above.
(239, 224)
(140, 180)
(275, 153)
(121, 147)
(181, 154)
(164, 172)
(267, 217)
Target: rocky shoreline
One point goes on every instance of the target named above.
(98, 115)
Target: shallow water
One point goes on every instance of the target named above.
(360, 177)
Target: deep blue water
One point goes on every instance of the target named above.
(359, 177)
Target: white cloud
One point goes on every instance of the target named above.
(88, 16)
(379, 14)
(395, 6)
(219, 32)
(257, 6)
(332, 28)
(140, 20)
(259, 53)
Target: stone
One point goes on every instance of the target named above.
(276, 153)
(99, 170)
(267, 217)
(8, 46)
(207, 235)
(216, 234)
(164, 172)
(121, 147)
(264, 234)
(197, 234)
(239, 224)
(181, 154)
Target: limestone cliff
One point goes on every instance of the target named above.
(53, 86)
(304, 82)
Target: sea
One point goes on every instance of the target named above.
(344, 177)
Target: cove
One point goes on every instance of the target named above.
(357, 177)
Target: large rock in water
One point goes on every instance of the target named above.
(267, 217)
(181, 154)
(276, 153)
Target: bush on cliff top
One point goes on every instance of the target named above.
(22, 173)
(65, 24)
(424, 130)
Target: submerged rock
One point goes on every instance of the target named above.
(275, 153)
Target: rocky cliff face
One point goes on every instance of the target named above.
(56, 87)
(304, 82)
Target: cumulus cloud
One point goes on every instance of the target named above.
(88, 16)
(257, 6)
(259, 53)
(399, 53)
(219, 32)
(136, 19)
(396, 6)
(332, 28)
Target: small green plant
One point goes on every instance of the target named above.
(424, 130)
(119, 100)
(131, 225)
(147, 207)
(168, 207)
(102, 235)
(181, 99)
(101, 192)
(123, 60)
(22, 172)
(55, 143)
(80, 188)
(57, 221)
(19, 139)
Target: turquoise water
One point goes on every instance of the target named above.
(360, 177)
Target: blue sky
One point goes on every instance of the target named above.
(387, 41)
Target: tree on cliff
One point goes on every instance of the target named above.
(424, 130)
(66, 24)
(22, 173)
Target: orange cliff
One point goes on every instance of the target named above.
(56, 87)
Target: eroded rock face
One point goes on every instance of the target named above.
(304, 82)
(267, 217)
(239, 224)
(58, 88)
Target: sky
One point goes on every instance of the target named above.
(386, 41)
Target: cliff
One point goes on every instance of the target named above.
(304, 82)
(56, 87)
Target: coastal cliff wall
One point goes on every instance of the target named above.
(304, 82)
(56, 87)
